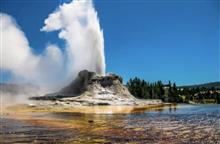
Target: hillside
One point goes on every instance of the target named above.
(206, 85)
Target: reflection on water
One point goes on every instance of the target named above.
(175, 124)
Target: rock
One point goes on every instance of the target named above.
(90, 89)
(90, 121)
(79, 85)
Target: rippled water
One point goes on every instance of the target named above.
(179, 124)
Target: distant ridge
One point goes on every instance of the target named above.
(206, 85)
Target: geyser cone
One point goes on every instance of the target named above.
(90, 88)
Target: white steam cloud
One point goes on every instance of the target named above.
(78, 26)
(18, 58)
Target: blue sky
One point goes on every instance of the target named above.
(154, 40)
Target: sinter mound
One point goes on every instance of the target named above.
(90, 88)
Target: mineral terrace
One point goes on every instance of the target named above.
(91, 89)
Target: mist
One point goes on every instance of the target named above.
(77, 24)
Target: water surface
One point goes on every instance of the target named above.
(175, 124)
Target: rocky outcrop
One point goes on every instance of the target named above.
(92, 89)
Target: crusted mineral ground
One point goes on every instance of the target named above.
(183, 124)
(91, 89)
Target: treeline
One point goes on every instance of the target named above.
(171, 93)
(201, 95)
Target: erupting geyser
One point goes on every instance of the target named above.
(82, 59)
(78, 25)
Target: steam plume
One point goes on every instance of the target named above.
(78, 26)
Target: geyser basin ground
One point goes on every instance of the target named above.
(170, 124)
(25, 108)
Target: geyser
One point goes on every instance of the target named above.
(91, 89)
(78, 25)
